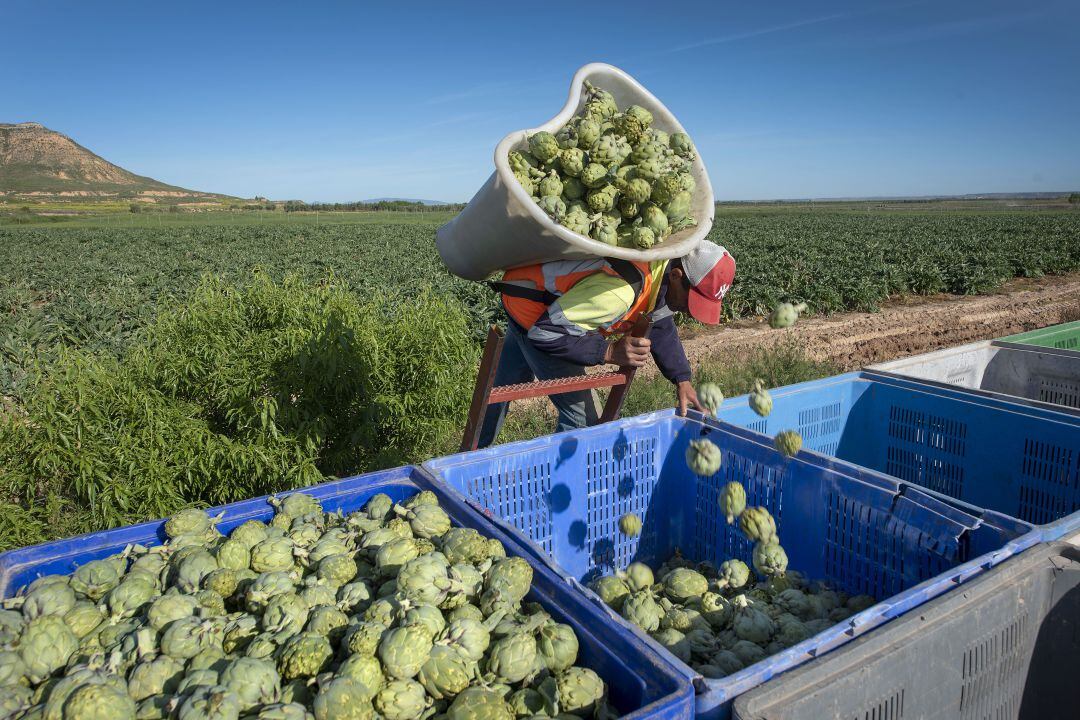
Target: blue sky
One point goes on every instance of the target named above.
(337, 101)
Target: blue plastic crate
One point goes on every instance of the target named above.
(862, 531)
(1019, 459)
(642, 682)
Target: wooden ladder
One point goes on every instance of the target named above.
(485, 394)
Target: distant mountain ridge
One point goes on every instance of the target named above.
(36, 161)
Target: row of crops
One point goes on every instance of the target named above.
(94, 287)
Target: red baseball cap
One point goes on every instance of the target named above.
(711, 270)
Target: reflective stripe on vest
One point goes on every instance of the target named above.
(528, 292)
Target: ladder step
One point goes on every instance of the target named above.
(542, 388)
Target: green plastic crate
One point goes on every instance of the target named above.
(1065, 337)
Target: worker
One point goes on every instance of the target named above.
(561, 314)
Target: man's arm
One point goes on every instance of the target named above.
(668, 352)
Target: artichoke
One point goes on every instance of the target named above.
(265, 587)
(638, 576)
(594, 175)
(95, 578)
(130, 596)
(303, 655)
(511, 576)
(557, 645)
(512, 658)
(674, 642)
(404, 650)
(188, 522)
(732, 500)
(642, 237)
(170, 606)
(12, 669)
(753, 625)
(46, 644)
(544, 146)
(275, 554)
(11, 626)
(339, 569)
(734, 573)
(363, 637)
(760, 401)
(573, 189)
(210, 703)
(682, 584)
(254, 682)
(769, 558)
(364, 668)
(479, 703)
(588, 132)
(187, 637)
(654, 218)
(549, 185)
(601, 199)
(401, 700)
(296, 505)
(189, 574)
(469, 637)
(609, 151)
(445, 673)
(711, 397)
(703, 457)
(747, 652)
(612, 590)
(285, 711)
(580, 691)
(641, 609)
(249, 534)
(785, 314)
(682, 146)
(577, 222)
(425, 579)
(572, 161)
(678, 208)
(99, 702)
(344, 698)
(51, 599)
(285, 615)
(630, 525)
(788, 442)
(858, 603)
(757, 524)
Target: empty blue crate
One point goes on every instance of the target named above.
(641, 682)
(1017, 459)
(857, 529)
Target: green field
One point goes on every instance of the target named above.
(92, 282)
(149, 362)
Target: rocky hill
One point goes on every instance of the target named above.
(39, 163)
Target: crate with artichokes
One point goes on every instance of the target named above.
(722, 619)
(610, 175)
(387, 612)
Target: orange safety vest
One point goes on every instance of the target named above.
(527, 292)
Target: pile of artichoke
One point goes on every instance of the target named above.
(719, 620)
(611, 175)
(387, 612)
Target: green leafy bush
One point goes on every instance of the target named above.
(237, 393)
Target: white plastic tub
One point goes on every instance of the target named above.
(1039, 374)
(502, 227)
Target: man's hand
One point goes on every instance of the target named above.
(629, 352)
(687, 397)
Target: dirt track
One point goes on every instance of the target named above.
(905, 327)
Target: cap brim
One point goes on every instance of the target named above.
(703, 308)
